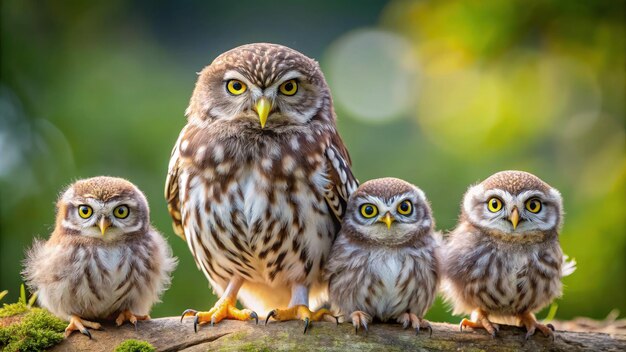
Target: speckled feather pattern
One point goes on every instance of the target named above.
(98, 277)
(260, 204)
(384, 278)
(491, 266)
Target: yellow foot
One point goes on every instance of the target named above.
(480, 321)
(78, 324)
(132, 318)
(531, 324)
(302, 312)
(415, 322)
(360, 318)
(223, 309)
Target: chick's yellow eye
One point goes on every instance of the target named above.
(121, 212)
(84, 211)
(533, 205)
(405, 207)
(494, 204)
(289, 88)
(369, 210)
(236, 87)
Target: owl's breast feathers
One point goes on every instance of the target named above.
(501, 278)
(383, 282)
(74, 275)
(257, 202)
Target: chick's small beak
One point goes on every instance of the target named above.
(514, 217)
(104, 224)
(263, 107)
(387, 219)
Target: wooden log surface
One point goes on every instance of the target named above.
(169, 334)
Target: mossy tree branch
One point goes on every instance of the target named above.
(169, 334)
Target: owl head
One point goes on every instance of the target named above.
(387, 211)
(262, 85)
(514, 204)
(105, 208)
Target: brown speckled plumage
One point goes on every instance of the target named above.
(255, 204)
(93, 275)
(501, 270)
(385, 272)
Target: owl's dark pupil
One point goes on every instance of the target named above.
(369, 210)
(533, 205)
(237, 86)
(404, 207)
(494, 203)
(83, 210)
(289, 86)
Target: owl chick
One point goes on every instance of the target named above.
(503, 262)
(385, 261)
(258, 181)
(104, 260)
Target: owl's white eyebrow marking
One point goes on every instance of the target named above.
(232, 74)
(293, 74)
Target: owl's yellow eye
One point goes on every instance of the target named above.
(121, 212)
(369, 210)
(289, 88)
(84, 211)
(236, 87)
(405, 208)
(533, 205)
(494, 205)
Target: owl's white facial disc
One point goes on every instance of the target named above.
(405, 224)
(476, 207)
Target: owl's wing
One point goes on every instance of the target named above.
(342, 181)
(171, 188)
(568, 266)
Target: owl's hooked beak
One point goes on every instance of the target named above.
(387, 219)
(263, 107)
(104, 224)
(514, 217)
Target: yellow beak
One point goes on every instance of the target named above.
(387, 219)
(514, 218)
(263, 107)
(104, 224)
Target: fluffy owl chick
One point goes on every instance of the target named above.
(258, 181)
(104, 260)
(385, 262)
(503, 261)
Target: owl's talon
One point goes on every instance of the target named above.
(528, 320)
(254, 316)
(86, 333)
(188, 313)
(78, 324)
(300, 312)
(195, 324)
(356, 329)
(270, 315)
(430, 331)
(306, 324)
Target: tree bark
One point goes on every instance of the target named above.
(169, 334)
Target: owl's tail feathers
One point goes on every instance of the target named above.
(568, 266)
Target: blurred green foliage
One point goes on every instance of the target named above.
(100, 88)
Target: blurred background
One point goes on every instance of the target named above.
(440, 93)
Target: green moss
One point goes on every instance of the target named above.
(35, 329)
(134, 346)
(9, 310)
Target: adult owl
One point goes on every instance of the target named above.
(258, 180)
(104, 260)
(504, 261)
(385, 261)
